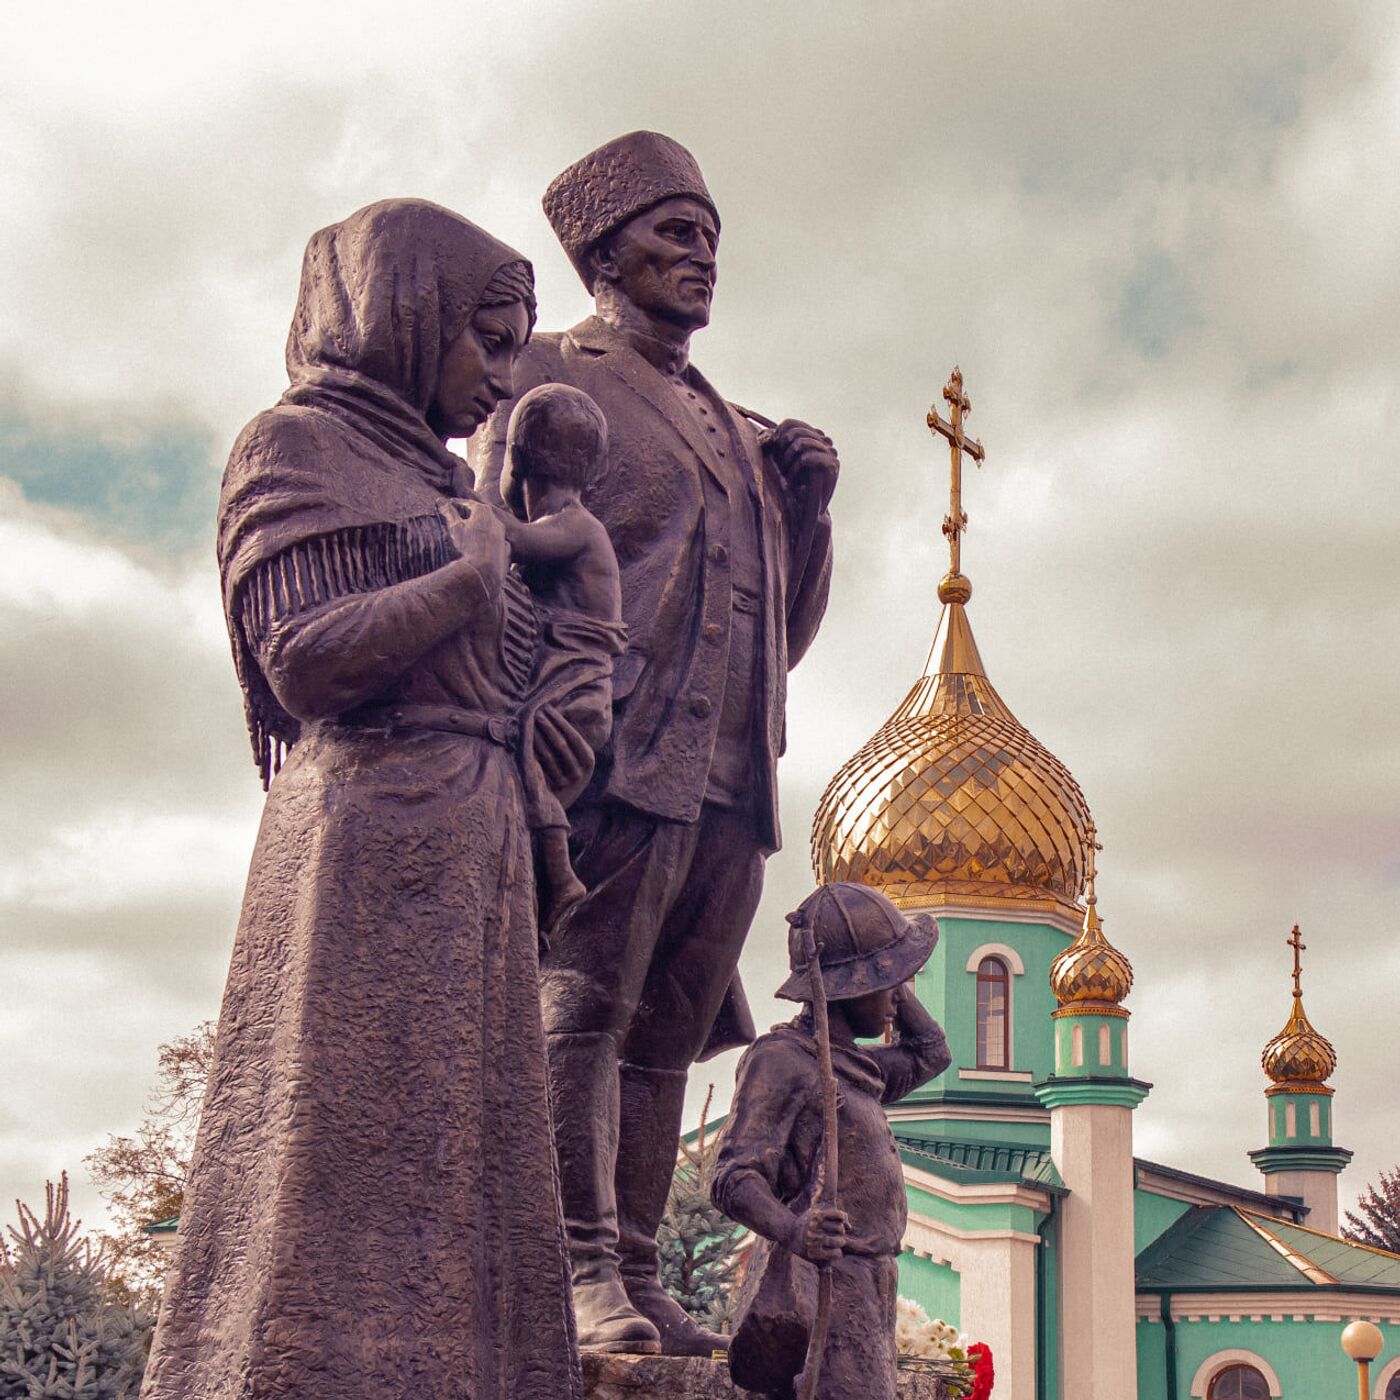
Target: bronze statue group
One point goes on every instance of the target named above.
(519, 723)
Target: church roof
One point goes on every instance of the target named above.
(1223, 1248)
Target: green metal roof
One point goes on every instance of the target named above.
(1223, 1248)
(970, 1161)
(1349, 1263)
(160, 1226)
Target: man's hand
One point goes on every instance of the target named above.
(818, 1234)
(804, 457)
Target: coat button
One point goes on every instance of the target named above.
(719, 554)
(700, 707)
(712, 631)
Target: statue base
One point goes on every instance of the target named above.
(615, 1376)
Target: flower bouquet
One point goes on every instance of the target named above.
(937, 1348)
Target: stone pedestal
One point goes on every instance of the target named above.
(616, 1377)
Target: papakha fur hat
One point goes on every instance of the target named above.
(619, 180)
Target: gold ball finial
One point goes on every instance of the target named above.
(954, 588)
(1091, 974)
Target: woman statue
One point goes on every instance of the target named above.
(373, 1206)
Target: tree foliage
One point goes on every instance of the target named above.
(142, 1177)
(1378, 1223)
(63, 1336)
(697, 1243)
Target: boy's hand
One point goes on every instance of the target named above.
(818, 1234)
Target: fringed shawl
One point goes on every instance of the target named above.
(347, 453)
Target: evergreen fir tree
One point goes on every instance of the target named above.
(697, 1243)
(1379, 1221)
(62, 1337)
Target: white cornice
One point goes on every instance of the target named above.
(967, 1112)
(1296, 1305)
(982, 1193)
(942, 1229)
(1060, 922)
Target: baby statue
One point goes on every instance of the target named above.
(773, 1153)
(556, 445)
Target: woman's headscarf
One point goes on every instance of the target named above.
(383, 295)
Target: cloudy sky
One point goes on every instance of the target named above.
(1161, 243)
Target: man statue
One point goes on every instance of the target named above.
(724, 543)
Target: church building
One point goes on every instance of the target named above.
(1091, 1273)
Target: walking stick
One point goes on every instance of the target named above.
(826, 1190)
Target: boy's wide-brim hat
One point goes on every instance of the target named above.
(864, 943)
(615, 183)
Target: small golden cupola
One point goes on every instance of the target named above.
(954, 801)
(1091, 975)
(1299, 1057)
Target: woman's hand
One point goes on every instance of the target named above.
(819, 1234)
(480, 538)
(804, 456)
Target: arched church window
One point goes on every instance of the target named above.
(1239, 1383)
(993, 1014)
(1392, 1391)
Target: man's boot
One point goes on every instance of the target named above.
(649, 1140)
(583, 1083)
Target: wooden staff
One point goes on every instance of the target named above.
(826, 1190)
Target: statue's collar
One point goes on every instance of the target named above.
(667, 359)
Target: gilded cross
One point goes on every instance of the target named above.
(1298, 946)
(959, 406)
(1091, 867)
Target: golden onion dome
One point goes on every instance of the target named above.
(1299, 1055)
(1091, 974)
(954, 798)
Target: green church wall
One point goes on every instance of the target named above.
(934, 1287)
(1305, 1108)
(949, 991)
(1307, 1356)
(1152, 1216)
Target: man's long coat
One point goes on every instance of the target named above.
(667, 507)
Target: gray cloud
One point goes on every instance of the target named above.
(1161, 245)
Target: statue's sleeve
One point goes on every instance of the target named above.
(772, 1090)
(322, 662)
(911, 1061)
(809, 572)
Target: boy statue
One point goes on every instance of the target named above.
(771, 1158)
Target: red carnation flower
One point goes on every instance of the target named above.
(980, 1355)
